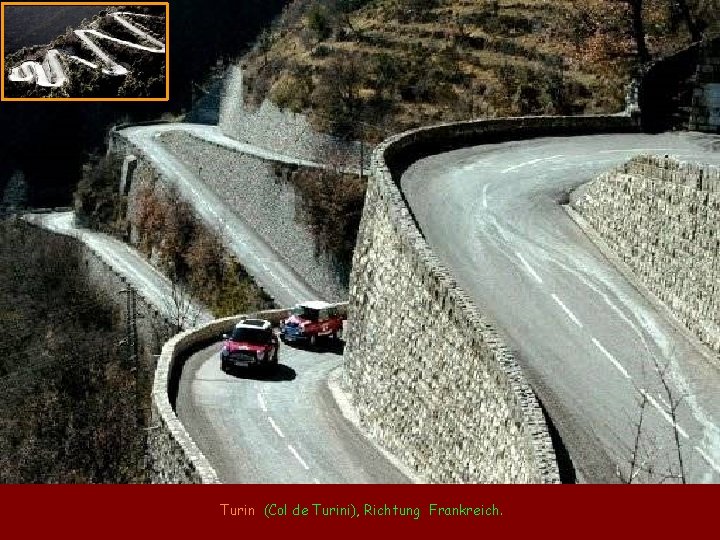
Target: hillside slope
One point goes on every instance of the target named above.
(26, 26)
(105, 58)
(394, 64)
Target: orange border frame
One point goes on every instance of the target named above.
(167, 48)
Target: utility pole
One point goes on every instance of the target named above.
(133, 347)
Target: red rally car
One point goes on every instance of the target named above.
(311, 321)
(252, 343)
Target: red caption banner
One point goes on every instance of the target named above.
(350, 510)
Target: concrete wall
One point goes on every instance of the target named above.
(662, 218)
(431, 380)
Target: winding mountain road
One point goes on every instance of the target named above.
(583, 334)
(254, 428)
(51, 73)
(128, 262)
(261, 261)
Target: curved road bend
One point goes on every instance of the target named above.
(281, 428)
(259, 259)
(145, 278)
(582, 332)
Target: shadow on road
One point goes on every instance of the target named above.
(322, 347)
(278, 374)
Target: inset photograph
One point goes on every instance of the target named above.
(85, 51)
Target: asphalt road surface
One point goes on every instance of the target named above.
(583, 334)
(258, 258)
(278, 427)
(128, 262)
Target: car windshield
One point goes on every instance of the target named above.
(251, 335)
(306, 313)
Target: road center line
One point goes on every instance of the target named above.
(567, 311)
(261, 401)
(708, 459)
(664, 413)
(484, 196)
(531, 162)
(275, 427)
(529, 268)
(297, 456)
(316, 481)
(610, 357)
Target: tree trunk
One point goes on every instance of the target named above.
(638, 28)
(695, 33)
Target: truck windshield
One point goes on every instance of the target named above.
(251, 335)
(306, 313)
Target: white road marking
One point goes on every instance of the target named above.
(567, 311)
(275, 427)
(261, 401)
(484, 196)
(529, 268)
(708, 459)
(315, 480)
(610, 357)
(664, 413)
(526, 163)
(297, 456)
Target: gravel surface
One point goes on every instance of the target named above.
(249, 186)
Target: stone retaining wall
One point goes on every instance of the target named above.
(175, 458)
(431, 380)
(260, 193)
(662, 218)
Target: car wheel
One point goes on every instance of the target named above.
(313, 341)
(224, 366)
(275, 358)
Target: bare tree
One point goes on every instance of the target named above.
(638, 29)
(180, 308)
(643, 458)
(674, 401)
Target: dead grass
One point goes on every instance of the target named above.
(475, 59)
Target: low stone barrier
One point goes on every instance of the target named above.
(174, 456)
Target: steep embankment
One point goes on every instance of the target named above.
(92, 61)
(366, 68)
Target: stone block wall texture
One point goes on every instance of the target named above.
(662, 218)
(250, 185)
(175, 458)
(431, 380)
(266, 201)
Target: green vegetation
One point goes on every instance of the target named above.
(395, 64)
(68, 410)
